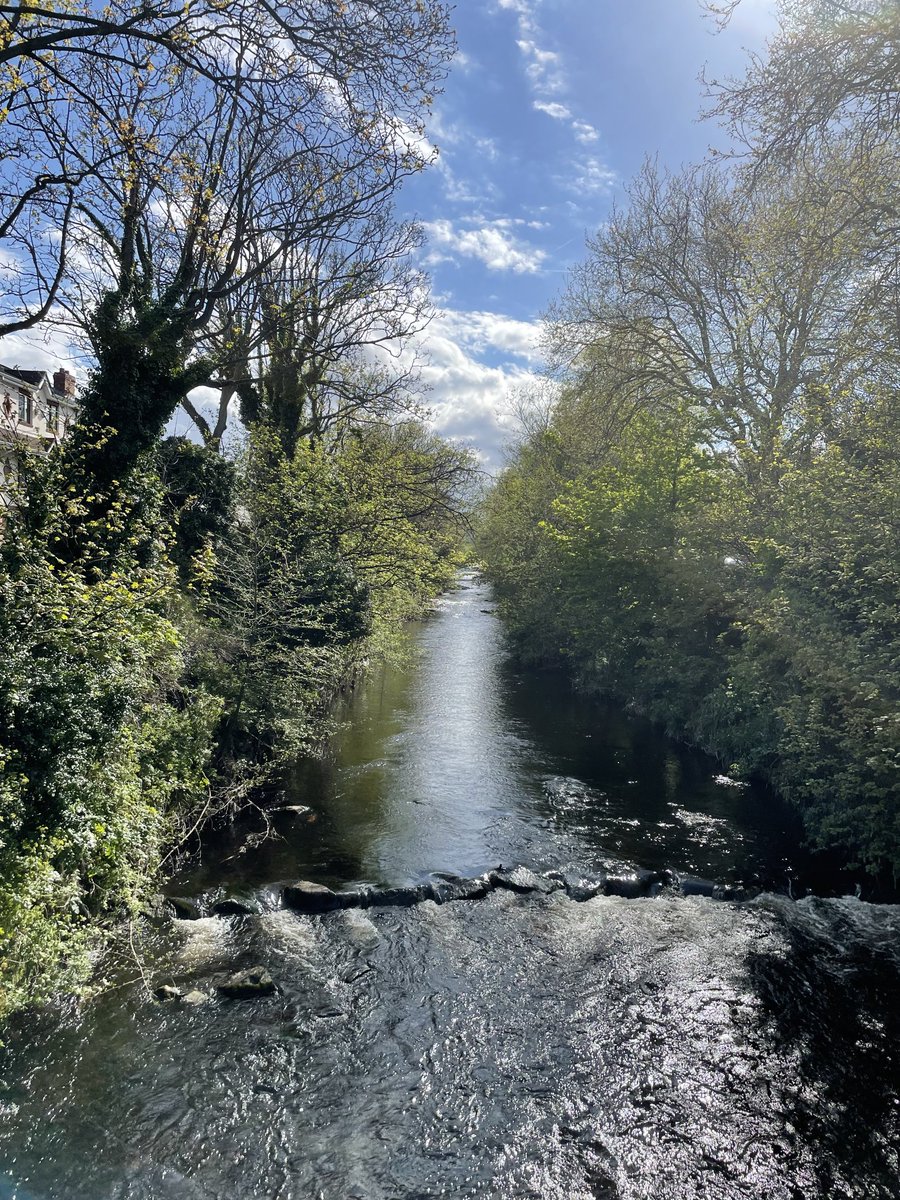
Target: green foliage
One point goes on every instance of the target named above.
(762, 623)
(332, 549)
(198, 502)
(103, 751)
(287, 609)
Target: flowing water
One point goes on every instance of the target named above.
(514, 1046)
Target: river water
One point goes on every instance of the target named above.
(515, 1046)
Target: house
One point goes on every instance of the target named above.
(37, 410)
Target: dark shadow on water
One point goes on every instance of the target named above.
(831, 1004)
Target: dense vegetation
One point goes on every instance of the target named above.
(706, 522)
(175, 618)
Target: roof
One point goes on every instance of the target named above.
(33, 377)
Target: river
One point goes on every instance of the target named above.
(674, 1046)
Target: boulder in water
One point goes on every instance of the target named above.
(167, 991)
(401, 897)
(311, 897)
(184, 908)
(723, 891)
(236, 906)
(247, 985)
(581, 890)
(357, 898)
(632, 887)
(460, 889)
(521, 880)
(691, 886)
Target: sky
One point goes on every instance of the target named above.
(549, 108)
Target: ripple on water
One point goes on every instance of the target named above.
(511, 1047)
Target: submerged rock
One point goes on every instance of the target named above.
(401, 897)
(360, 929)
(246, 985)
(689, 885)
(724, 891)
(523, 881)
(184, 908)
(311, 897)
(357, 898)
(166, 992)
(581, 890)
(195, 997)
(236, 906)
(315, 898)
(460, 889)
(634, 886)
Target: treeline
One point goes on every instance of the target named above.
(202, 195)
(705, 520)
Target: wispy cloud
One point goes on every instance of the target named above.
(591, 176)
(493, 243)
(585, 132)
(545, 70)
(553, 109)
(543, 67)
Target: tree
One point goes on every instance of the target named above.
(193, 196)
(347, 80)
(832, 70)
(823, 103)
(743, 301)
(324, 338)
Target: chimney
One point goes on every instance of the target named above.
(64, 383)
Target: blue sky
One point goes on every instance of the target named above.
(549, 109)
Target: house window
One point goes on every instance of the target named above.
(53, 417)
(24, 408)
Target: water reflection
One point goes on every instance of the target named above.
(509, 1048)
(459, 760)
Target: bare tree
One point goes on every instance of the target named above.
(325, 335)
(745, 304)
(343, 80)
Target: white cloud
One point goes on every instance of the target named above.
(543, 67)
(592, 176)
(483, 332)
(455, 139)
(469, 400)
(45, 349)
(558, 112)
(520, 6)
(585, 132)
(546, 72)
(492, 243)
(472, 364)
